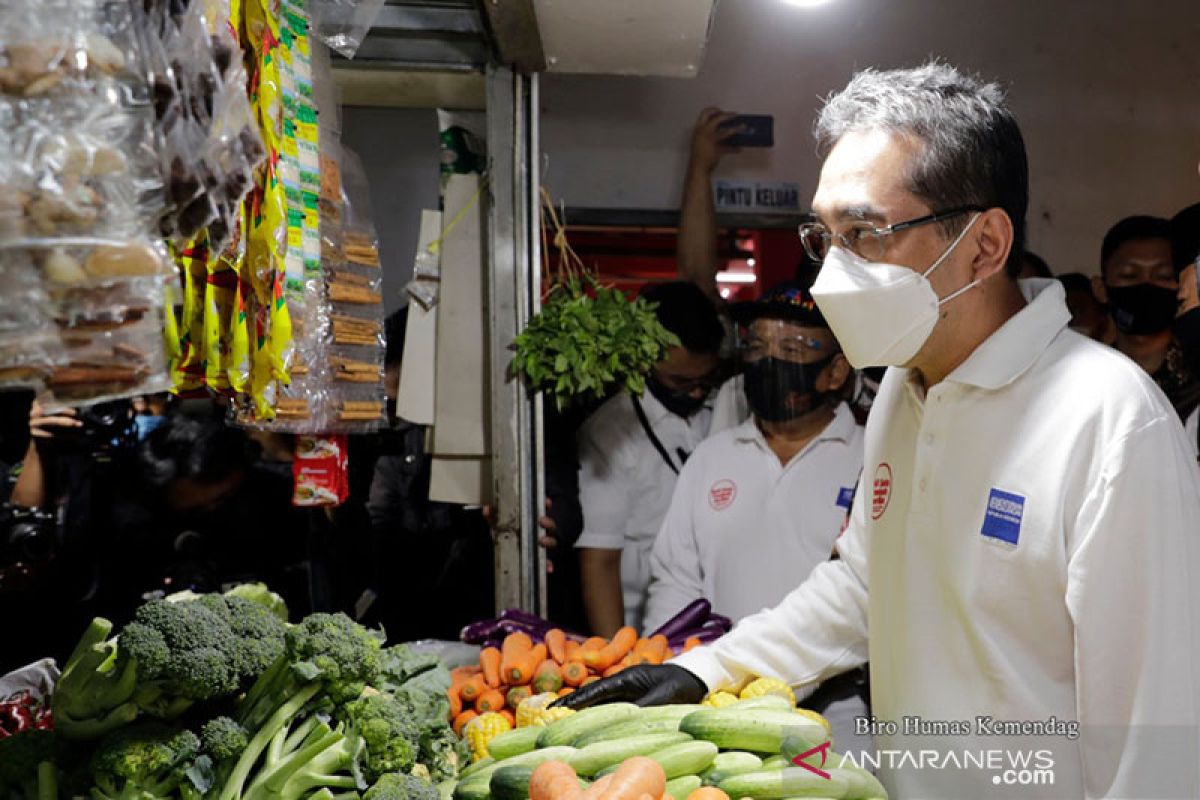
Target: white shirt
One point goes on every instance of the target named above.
(1029, 535)
(625, 486)
(1190, 428)
(743, 530)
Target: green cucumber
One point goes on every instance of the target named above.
(677, 760)
(568, 729)
(860, 782)
(776, 762)
(514, 742)
(766, 702)
(477, 786)
(595, 757)
(681, 787)
(762, 731)
(780, 784)
(726, 765)
(476, 766)
(511, 782)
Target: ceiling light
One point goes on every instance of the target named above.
(805, 3)
(725, 276)
(750, 262)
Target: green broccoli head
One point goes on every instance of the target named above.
(443, 753)
(260, 636)
(389, 733)
(399, 786)
(336, 650)
(223, 738)
(143, 759)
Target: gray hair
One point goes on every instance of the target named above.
(972, 151)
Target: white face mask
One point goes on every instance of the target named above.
(881, 313)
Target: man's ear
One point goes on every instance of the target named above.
(835, 375)
(994, 235)
(1099, 289)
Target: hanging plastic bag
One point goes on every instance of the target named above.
(343, 24)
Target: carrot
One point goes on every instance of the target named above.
(460, 674)
(590, 679)
(472, 689)
(554, 780)
(489, 660)
(574, 673)
(613, 652)
(462, 719)
(491, 700)
(521, 670)
(508, 715)
(516, 695)
(455, 703)
(548, 677)
(708, 793)
(642, 646)
(556, 643)
(566, 690)
(613, 670)
(516, 646)
(598, 788)
(636, 777)
(659, 649)
(572, 649)
(690, 643)
(594, 643)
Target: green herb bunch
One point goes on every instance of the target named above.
(587, 338)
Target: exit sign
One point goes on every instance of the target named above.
(759, 196)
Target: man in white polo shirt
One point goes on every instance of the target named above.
(1023, 550)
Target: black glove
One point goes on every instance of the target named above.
(646, 685)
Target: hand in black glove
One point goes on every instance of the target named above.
(646, 685)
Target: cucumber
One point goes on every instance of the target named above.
(860, 783)
(677, 760)
(476, 766)
(762, 731)
(674, 711)
(681, 787)
(768, 702)
(779, 784)
(726, 765)
(477, 786)
(777, 762)
(511, 782)
(624, 730)
(568, 729)
(595, 757)
(514, 742)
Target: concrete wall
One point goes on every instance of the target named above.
(1108, 95)
(399, 150)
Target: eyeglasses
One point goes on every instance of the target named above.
(866, 241)
(789, 348)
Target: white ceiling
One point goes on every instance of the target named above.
(625, 37)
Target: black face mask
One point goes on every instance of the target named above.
(681, 404)
(1142, 308)
(1187, 331)
(770, 381)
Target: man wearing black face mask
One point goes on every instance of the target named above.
(1139, 281)
(630, 453)
(759, 505)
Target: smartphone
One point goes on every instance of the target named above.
(759, 131)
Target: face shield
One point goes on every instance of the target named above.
(782, 363)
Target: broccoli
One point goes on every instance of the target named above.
(443, 753)
(259, 634)
(143, 761)
(260, 594)
(328, 660)
(94, 693)
(389, 732)
(223, 738)
(398, 786)
(27, 769)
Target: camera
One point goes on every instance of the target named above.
(28, 541)
(105, 428)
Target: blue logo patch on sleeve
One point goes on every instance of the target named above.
(845, 496)
(1002, 520)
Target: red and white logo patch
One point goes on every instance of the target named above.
(722, 493)
(881, 491)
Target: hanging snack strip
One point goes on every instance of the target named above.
(80, 319)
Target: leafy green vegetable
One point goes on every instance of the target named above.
(588, 338)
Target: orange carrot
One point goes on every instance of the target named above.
(598, 788)
(516, 695)
(522, 669)
(566, 690)
(491, 700)
(489, 660)
(472, 689)
(659, 649)
(460, 674)
(554, 780)
(708, 793)
(642, 646)
(574, 673)
(455, 703)
(572, 650)
(556, 643)
(594, 643)
(636, 777)
(508, 715)
(613, 670)
(613, 652)
(515, 648)
(691, 642)
(548, 677)
(590, 679)
(462, 719)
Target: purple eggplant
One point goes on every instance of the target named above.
(476, 632)
(722, 620)
(693, 615)
(705, 636)
(532, 620)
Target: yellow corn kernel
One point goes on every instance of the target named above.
(482, 730)
(536, 710)
(720, 699)
(815, 717)
(765, 686)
